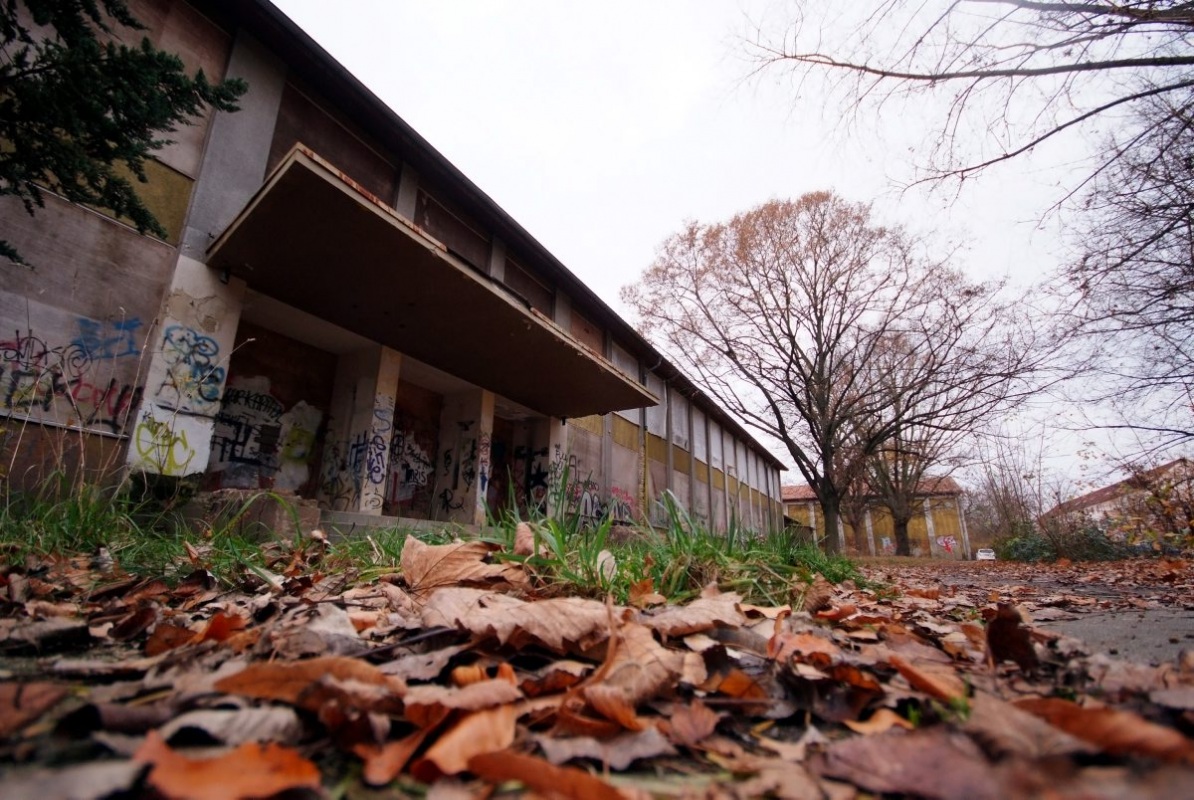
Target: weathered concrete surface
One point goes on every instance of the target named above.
(1147, 636)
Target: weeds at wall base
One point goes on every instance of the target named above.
(139, 526)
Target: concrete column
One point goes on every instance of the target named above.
(186, 372)
(929, 527)
(561, 310)
(238, 146)
(870, 532)
(465, 431)
(406, 197)
(497, 260)
(360, 429)
(962, 525)
(557, 449)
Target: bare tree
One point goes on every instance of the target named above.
(1132, 280)
(781, 314)
(1014, 74)
(930, 430)
(996, 79)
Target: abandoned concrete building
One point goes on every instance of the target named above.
(338, 312)
(937, 530)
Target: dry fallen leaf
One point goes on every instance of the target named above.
(541, 777)
(895, 762)
(618, 752)
(1002, 729)
(1114, 731)
(475, 734)
(1009, 640)
(691, 723)
(21, 703)
(553, 623)
(249, 771)
(881, 721)
(700, 615)
(427, 566)
(936, 680)
(427, 701)
(294, 682)
(639, 669)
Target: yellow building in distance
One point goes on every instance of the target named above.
(938, 530)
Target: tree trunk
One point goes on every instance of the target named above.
(831, 509)
(903, 546)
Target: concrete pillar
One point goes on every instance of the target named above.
(557, 449)
(929, 527)
(186, 372)
(497, 262)
(870, 532)
(406, 196)
(962, 525)
(360, 429)
(238, 146)
(465, 431)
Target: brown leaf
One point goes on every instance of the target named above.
(554, 677)
(524, 541)
(427, 566)
(44, 608)
(135, 624)
(1002, 729)
(553, 623)
(541, 777)
(295, 682)
(425, 702)
(643, 594)
(1009, 640)
(221, 627)
(781, 779)
(807, 647)
(249, 771)
(818, 597)
(167, 636)
(639, 667)
(700, 615)
(905, 763)
(936, 680)
(619, 752)
(838, 613)
(21, 703)
(1116, 732)
(692, 723)
(384, 763)
(881, 721)
(475, 734)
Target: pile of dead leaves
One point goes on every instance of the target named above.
(455, 678)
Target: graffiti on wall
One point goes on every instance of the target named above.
(193, 376)
(160, 446)
(258, 443)
(88, 381)
(947, 543)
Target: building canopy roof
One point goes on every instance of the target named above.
(317, 241)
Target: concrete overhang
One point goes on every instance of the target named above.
(315, 240)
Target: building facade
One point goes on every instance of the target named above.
(338, 312)
(937, 531)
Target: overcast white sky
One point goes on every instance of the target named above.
(601, 127)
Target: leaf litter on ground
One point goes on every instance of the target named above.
(460, 672)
